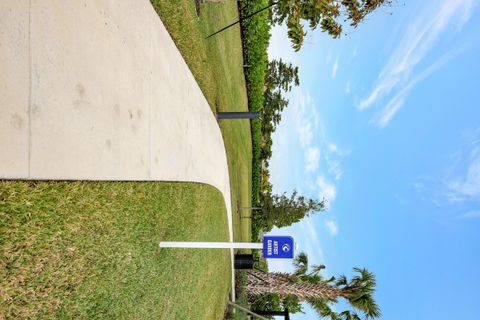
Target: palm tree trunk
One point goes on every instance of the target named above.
(259, 283)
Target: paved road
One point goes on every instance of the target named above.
(97, 90)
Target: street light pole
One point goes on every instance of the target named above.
(237, 115)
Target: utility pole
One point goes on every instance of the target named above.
(244, 18)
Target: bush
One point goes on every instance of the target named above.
(255, 38)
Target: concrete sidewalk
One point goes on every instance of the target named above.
(97, 90)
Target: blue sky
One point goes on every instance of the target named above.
(386, 125)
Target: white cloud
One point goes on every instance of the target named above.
(280, 46)
(468, 186)
(336, 150)
(305, 134)
(334, 69)
(313, 238)
(333, 147)
(395, 103)
(383, 87)
(326, 189)
(471, 214)
(334, 168)
(332, 227)
(418, 42)
(304, 124)
(316, 117)
(312, 157)
(384, 117)
(458, 185)
(347, 88)
(316, 148)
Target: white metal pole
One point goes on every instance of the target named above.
(214, 245)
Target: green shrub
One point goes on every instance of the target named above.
(255, 38)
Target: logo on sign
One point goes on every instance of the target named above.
(286, 248)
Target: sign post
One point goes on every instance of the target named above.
(211, 245)
(274, 247)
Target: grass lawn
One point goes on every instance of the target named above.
(90, 250)
(217, 65)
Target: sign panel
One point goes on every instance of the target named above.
(280, 247)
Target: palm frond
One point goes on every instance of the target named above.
(316, 270)
(301, 264)
(367, 305)
(359, 292)
(329, 281)
(364, 277)
(349, 315)
(312, 278)
(342, 281)
(322, 308)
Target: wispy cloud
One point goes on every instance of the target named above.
(395, 103)
(400, 73)
(318, 151)
(312, 235)
(334, 168)
(312, 158)
(332, 227)
(305, 134)
(333, 148)
(317, 148)
(308, 128)
(304, 125)
(334, 69)
(467, 186)
(458, 185)
(347, 88)
(471, 214)
(326, 189)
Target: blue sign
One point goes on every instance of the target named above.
(280, 247)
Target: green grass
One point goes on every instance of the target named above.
(217, 65)
(90, 250)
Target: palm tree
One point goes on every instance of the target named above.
(320, 293)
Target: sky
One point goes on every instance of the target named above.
(386, 125)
